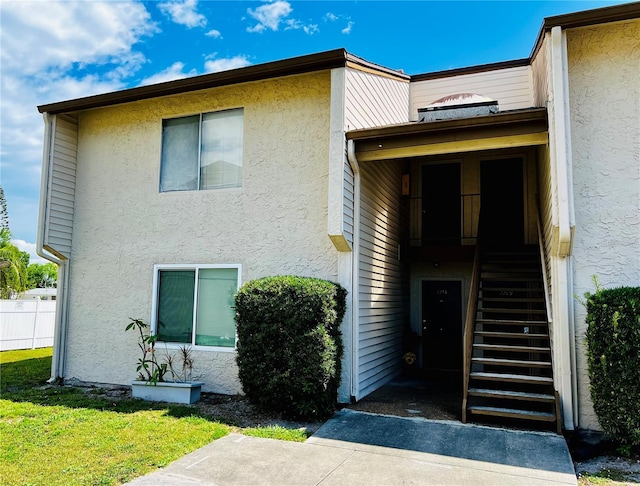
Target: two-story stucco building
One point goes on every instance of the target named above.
(463, 210)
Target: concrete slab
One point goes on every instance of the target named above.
(359, 448)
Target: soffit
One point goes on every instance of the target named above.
(518, 128)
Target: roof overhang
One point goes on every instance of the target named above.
(518, 128)
(321, 61)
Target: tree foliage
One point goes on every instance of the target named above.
(13, 271)
(42, 276)
(4, 215)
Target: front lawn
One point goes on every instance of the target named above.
(65, 435)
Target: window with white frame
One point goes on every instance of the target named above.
(194, 304)
(202, 151)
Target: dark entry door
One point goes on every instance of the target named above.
(441, 220)
(502, 201)
(441, 325)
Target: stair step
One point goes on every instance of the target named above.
(511, 395)
(511, 378)
(509, 335)
(508, 298)
(513, 413)
(507, 261)
(511, 322)
(515, 349)
(512, 289)
(507, 266)
(512, 362)
(512, 311)
(522, 252)
(508, 279)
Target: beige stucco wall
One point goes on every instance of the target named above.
(604, 90)
(275, 224)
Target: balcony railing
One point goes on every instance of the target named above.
(465, 234)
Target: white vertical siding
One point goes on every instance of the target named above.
(547, 194)
(511, 87)
(372, 100)
(539, 75)
(383, 283)
(61, 186)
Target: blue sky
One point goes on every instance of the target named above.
(58, 50)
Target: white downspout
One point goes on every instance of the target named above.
(564, 326)
(355, 310)
(60, 333)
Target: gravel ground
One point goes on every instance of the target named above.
(612, 467)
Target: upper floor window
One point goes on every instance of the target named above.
(202, 151)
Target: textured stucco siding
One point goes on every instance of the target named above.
(274, 224)
(604, 91)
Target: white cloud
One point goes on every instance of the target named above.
(46, 47)
(347, 29)
(216, 34)
(175, 71)
(269, 15)
(311, 29)
(39, 36)
(330, 17)
(293, 24)
(183, 12)
(30, 248)
(213, 65)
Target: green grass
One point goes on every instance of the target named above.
(24, 368)
(64, 435)
(604, 477)
(277, 432)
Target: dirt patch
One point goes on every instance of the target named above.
(234, 410)
(414, 398)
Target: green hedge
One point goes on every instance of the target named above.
(289, 344)
(613, 349)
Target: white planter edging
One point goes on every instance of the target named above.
(165, 391)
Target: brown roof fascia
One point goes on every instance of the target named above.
(448, 73)
(370, 66)
(526, 115)
(296, 65)
(614, 13)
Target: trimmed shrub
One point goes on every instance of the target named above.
(613, 350)
(289, 344)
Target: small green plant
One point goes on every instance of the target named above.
(149, 368)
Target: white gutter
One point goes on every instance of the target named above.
(355, 311)
(60, 332)
(560, 78)
(564, 329)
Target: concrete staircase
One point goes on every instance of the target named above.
(510, 372)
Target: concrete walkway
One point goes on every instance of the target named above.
(358, 448)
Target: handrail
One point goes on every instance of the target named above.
(547, 303)
(469, 327)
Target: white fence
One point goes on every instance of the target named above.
(26, 324)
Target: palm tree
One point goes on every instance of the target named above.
(13, 273)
